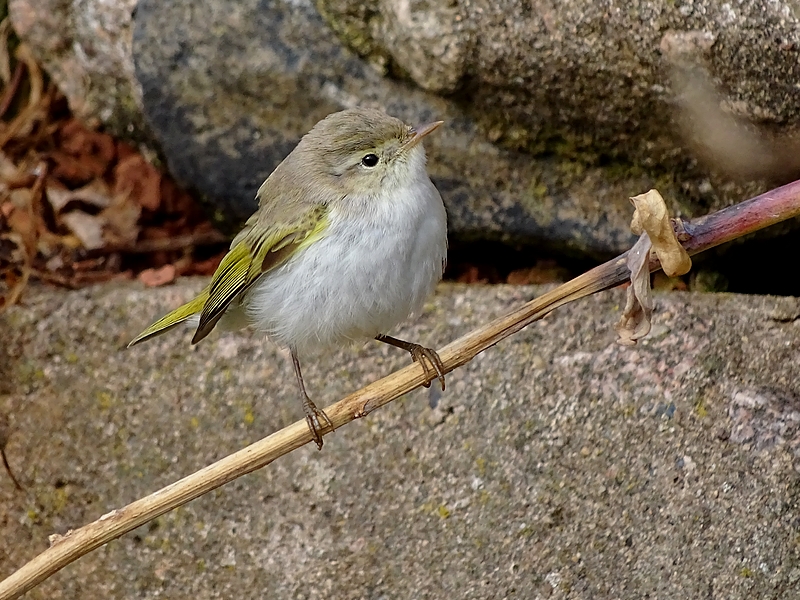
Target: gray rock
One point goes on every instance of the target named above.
(556, 465)
(230, 88)
(591, 76)
(85, 47)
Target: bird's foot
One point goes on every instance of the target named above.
(426, 357)
(317, 420)
(430, 362)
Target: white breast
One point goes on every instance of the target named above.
(363, 278)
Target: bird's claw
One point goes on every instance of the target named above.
(315, 418)
(430, 362)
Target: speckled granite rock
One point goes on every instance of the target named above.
(589, 75)
(557, 464)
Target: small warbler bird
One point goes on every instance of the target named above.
(349, 239)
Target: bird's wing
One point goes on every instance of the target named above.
(174, 318)
(258, 249)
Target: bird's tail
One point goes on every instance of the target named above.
(176, 317)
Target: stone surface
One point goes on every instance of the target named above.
(592, 76)
(557, 465)
(230, 88)
(85, 47)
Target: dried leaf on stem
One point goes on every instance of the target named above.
(652, 223)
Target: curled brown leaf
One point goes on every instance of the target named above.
(651, 221)
(137, 179)
(651, 216)
(87, 228)
(94, 193)
(634, 323)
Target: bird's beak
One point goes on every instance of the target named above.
(420, 131)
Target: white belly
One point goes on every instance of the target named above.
(361, 279)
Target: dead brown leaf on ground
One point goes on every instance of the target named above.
(136, 178)
(160, 276)
(79, 207)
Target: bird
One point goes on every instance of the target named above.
(349, 239)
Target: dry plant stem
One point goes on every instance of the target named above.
(33, 107)
(11, 90)
(701, 234)
(746, 217)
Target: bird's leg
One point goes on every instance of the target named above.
(426, 357)
(313, 414)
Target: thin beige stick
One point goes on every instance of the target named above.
(696, 236)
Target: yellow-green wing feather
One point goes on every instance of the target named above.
(254, 252)
(229, 280)
(288, 220)
(176, 317)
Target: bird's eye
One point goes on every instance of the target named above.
(370, 160)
